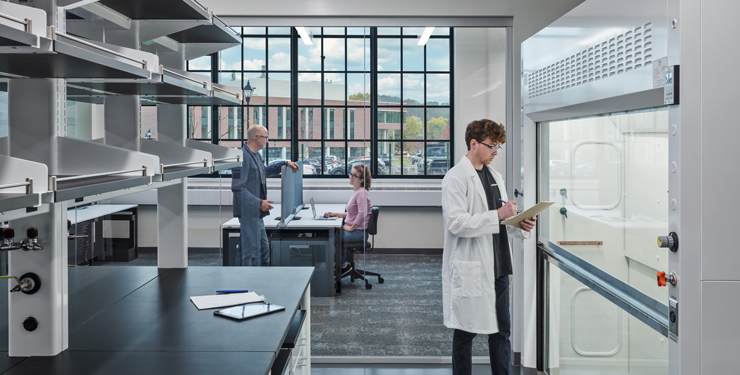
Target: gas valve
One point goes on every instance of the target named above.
(29, 283)
(31, 242)
(564, 212)
(7, 242)
(670, 241)
(671, 278)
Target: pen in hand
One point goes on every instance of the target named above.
(502, 201)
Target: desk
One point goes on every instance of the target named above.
(85, 221)
(304, 242)
(147, 324)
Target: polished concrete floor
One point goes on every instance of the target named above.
(364, 369)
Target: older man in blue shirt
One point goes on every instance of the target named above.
(249, 185)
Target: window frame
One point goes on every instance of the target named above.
(349, 130)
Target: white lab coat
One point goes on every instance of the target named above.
(468, 276)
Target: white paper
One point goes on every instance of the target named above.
(225, 300)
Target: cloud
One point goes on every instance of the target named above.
(309, 59)
(445, 94)
(358, 54)
(389, 83)
(356, 88)
(233, 66)
(254, 43)
(334, 52)
(309, 77)
(412, 80)
(280, 61)
(334, 77)
(200, 64)
(255, 64)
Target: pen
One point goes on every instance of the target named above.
(502, 201)
(231, 291)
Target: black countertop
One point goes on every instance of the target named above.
(146, 363)
(159, 315)
(141, 320)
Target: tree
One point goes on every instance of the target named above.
(438, 128)
(414, 128)
(360, 96)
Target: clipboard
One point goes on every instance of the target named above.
(529, 213)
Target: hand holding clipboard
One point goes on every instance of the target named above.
(529, 213)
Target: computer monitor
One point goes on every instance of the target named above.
(298, 190)
(287, 193)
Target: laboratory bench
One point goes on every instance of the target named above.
(140, 320)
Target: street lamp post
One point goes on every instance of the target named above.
(247, 96)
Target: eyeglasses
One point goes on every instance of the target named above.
(263, 136)
(355, 176)
(491, 147)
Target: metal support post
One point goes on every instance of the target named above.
(172, 225)
(49, 306)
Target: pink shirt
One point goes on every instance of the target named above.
(359, 209)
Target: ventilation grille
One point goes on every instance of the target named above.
(625, 52)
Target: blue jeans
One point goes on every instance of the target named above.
(499, 344)
(247, 255)
(357, 235)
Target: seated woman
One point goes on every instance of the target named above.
(359, 210)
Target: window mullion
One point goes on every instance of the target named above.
(294, 94)
(373, 99)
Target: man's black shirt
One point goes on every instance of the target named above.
(501, 253)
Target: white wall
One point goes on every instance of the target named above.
(480, 83)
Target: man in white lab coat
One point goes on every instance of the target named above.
(476, 262)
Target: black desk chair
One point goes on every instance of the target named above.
(350, 248)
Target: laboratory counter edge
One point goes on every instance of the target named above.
(126, 320)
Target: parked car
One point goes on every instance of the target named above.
(436, 160)
(315, 163)
(340, 169)
(307, 168)
(385, 158)
(366, 160)
(434, 166)
(331, 161)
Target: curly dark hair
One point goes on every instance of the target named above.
(485, 128)
(364, 171)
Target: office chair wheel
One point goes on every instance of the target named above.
(368, 285)
(381, 280)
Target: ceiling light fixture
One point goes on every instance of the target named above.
(305, 34)
(425, 36)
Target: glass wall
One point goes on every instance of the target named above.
(587, 334)
(608, 177)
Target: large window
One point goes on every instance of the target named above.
(414, 86)
(327, 91)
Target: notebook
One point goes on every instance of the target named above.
(224, 300)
